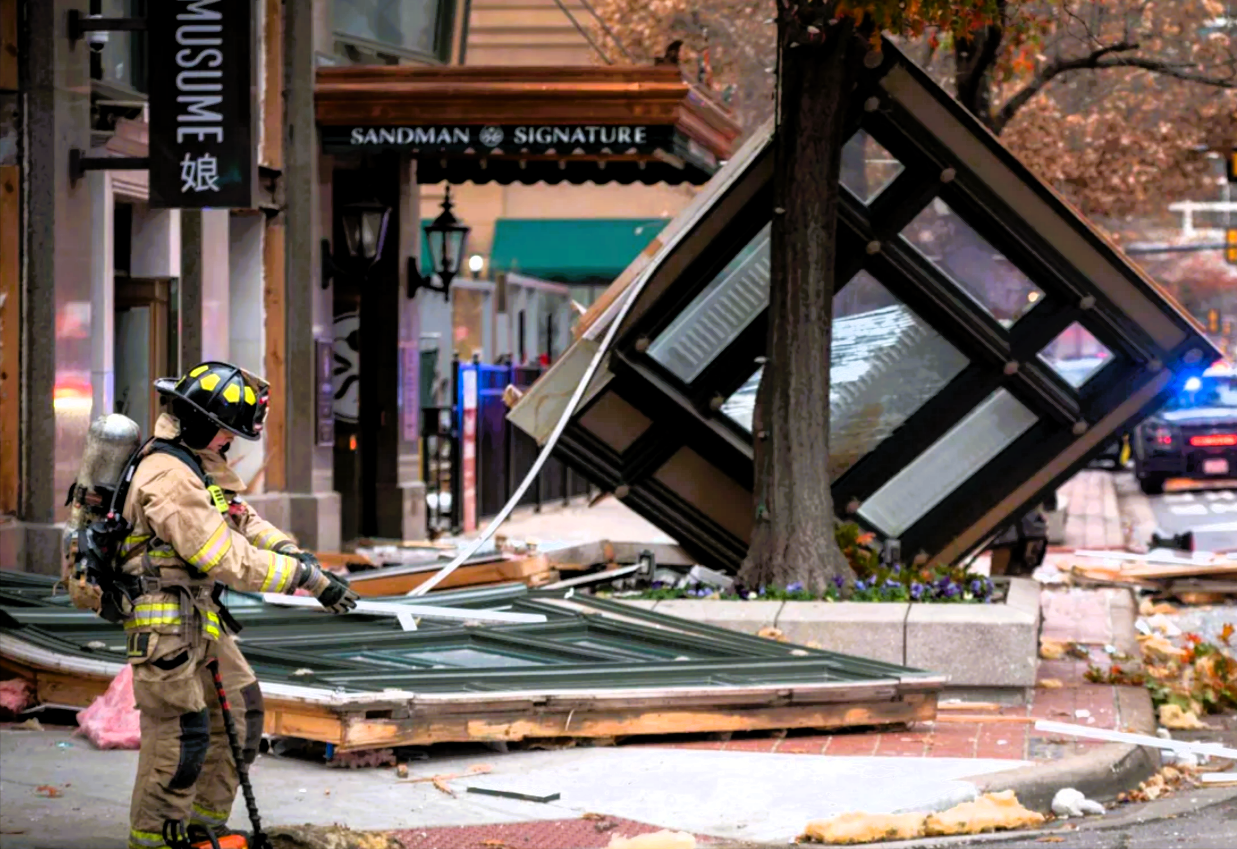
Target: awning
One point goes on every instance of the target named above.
(571, 250)
(613, 124)
(987, 341)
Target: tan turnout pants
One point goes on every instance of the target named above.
(185, 769)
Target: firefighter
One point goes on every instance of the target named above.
(192, 536)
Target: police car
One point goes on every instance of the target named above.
(1194, 435)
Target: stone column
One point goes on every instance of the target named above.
(57, 252)
(190, 288)
(313, 504)
(411, 486)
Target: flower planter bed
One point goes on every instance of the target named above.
(980, 646)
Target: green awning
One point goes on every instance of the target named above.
(571, 250)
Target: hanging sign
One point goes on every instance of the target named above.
(201, 104)
(504, 138)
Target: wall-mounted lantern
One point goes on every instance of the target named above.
(447, 237)
(365, 233)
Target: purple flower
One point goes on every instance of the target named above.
(795, 587)
(951, 590)
(976, 586)
(917, 590)
(897, 569)
(657, 585)
(891, 583)
(860, 586)
(839, 581)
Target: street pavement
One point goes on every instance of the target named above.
(1209, 511)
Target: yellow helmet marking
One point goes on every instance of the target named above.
(198, 371)
(250, 397)
(209, 382)
(232, 393)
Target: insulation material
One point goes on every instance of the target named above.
(864, 828)
(990, 812)
(112, 721)
(657, 840)
(16, 694)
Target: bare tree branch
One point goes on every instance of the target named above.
(1101, 59)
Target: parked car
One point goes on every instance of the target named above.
(1194, 435)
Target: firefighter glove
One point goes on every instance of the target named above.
(332, 592)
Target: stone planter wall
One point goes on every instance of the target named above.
(976, 645)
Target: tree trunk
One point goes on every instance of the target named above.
(793, 536)
(974, 59)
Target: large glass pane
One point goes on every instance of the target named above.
(963, 451)
(967, 258)
(403, 24)
(471, 658)
(1076, 355)
(885, 363)
(718, 314)
(867, 168)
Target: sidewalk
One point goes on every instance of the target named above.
(1093, 518)
(757, 787)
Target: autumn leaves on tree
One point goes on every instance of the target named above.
(1115, 102)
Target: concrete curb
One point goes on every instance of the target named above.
(1106, 770)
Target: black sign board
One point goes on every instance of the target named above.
(501, 138)
(201, 104)
(324, 408)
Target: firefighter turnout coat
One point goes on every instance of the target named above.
(185, 542)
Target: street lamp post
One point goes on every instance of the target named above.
(447, 237)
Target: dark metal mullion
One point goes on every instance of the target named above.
(672, 413)
(1031, 385)
(967, 504)
(688, 524)
(649, 452)
(908, 149)
(918, 433)
(702, 269)
(900, 202)
(730, 369)
(932, 296)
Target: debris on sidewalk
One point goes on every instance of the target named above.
(440, 781)
(112, 721)
(1070, 802)
(859, 827)
(329, 837)
(1165, 781)
(1191, 577)
(664, 839)
(990, 812)
(16, 695)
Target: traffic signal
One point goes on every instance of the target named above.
(1213, 320)
(1230, 245)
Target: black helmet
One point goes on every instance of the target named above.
(226, 395)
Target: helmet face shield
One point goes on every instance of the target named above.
(228, 396)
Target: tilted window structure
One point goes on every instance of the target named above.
(987, 340)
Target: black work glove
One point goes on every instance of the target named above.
(332, 591)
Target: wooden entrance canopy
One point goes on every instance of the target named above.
(624, 124)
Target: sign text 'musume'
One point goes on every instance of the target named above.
(199, 77)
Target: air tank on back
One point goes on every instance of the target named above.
(110, 442)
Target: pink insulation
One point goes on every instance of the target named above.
(16, 694)
(112, 721)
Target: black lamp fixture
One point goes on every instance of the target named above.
(365, 233)
(448, 238)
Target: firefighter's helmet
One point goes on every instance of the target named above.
(227, 395)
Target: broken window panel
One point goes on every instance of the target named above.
(867, 168)
(1076, 355)
(718, 314)
(963, 451)
(969, 261)
(885, 363)
(469, 658)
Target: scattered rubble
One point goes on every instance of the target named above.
(1069, 802)
(16, 695)
(1165, 781)
(112, 721)
(329, 837)
(990, 812)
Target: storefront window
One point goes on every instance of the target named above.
(122, 61)
(402, 26)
